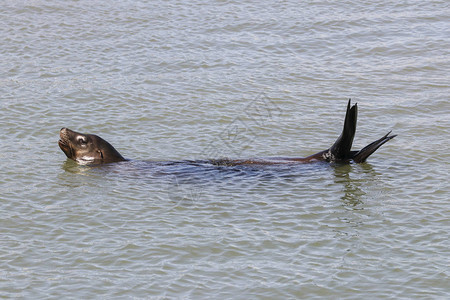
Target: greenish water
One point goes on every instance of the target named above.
(168, 80)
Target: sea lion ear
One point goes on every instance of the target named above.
(101, 153)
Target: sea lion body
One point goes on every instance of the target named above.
(92, 149)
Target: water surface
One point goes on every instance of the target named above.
(168, 80)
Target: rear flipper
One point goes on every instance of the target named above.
(340, 151)
(361, 155)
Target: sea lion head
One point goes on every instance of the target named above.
(87, 148)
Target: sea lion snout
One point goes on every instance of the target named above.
(64, 137)
(63, 133)
(64, 143)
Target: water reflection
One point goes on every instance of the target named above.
(354, 188)
(72, 167)
(75, 168)
(187, 182)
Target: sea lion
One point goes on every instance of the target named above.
(92, 149)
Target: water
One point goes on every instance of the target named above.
(169, 80)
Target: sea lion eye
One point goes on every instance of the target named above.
(82, 140)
